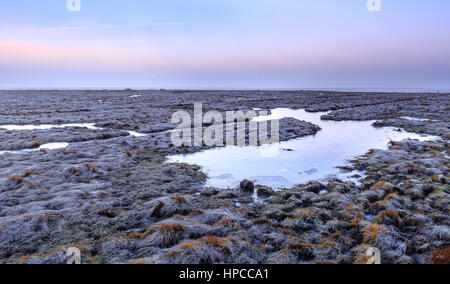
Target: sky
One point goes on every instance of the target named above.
(225, 44)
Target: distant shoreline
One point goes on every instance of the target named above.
(345, 90)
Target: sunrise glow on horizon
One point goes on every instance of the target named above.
(225, 44)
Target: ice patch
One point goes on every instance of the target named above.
(48, 146)
(136, 134)
(90, 126)
(416, 119)
(48, 126)
(54, 146)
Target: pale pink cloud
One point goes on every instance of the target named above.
(137, 57)
(54, 55)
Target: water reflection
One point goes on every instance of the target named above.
(90, 126)
(304, 159)
(55, 145)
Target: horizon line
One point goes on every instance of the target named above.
(345, 90)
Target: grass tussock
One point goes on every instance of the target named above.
(35, 144)
(362, 259)
(288, 232)
(336, 236)
(353, 211)
(356, 222)
(197, 212)
(30, 173)
(386, 200)
(262, 221)
(190, 245)
(225, 221)
(140, 262)
(308, 214)
(383, 216)
(298, 245)
(182, 166)
(167, 234)
(328, 245)
(410, 165)
(207, 250)
(440, 256)
(16, 179)
(383, 185)
(171, 227)
(136, 235)
(157, 210)
(216, 242)
(371, 232)
(102, 211)
(179, 198)
(303, 250)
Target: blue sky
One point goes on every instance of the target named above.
(225, 44)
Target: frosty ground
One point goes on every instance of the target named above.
(112, 195)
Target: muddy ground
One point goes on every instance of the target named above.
(113, 196)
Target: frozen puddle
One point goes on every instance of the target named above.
(47, 126)
(136, 134)
(299, 160)
(56, 145)
(49, 146)
(52, 126)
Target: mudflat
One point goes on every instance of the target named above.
(108, 190)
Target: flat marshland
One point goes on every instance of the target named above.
(96, 170)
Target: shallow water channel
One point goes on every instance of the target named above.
(300, 160)
(55, 145)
